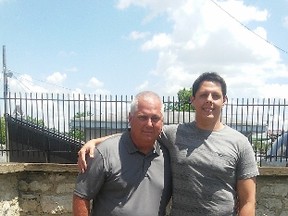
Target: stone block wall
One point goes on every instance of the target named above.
(272, 192)
(9, 202)
(36, 189)
(47, 189)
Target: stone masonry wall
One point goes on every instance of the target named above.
(36, 189)
(47, 189)
(272, 192)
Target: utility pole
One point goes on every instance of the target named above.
(5, 81)
(6, 75)
(5, 92)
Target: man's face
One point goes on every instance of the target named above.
(208, 100)
(146, 123)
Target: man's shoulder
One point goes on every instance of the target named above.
(233, 131)
(112, 142)
(116, 140)
(177, 126)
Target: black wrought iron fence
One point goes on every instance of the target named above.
(52, 127)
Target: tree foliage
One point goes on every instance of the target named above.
(184, 98)
(2, 130)
(76, 134)
(36, 121)
(83, 114)
(73, 132)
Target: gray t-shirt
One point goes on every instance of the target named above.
(205, 168)
(123, 181)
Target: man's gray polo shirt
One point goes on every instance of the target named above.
(124, 181)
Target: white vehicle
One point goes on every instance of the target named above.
(277, 155)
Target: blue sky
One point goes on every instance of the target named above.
(125, 46)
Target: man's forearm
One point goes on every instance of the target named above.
(246, 191)
(81, 207)
(247, 210)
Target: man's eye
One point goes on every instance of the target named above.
(216, 96)
(143, 118)
(203, 95)
(155, 118)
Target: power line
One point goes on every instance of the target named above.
(259, 36)
(8, 74)
(21, 82)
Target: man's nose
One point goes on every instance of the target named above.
(149, 122)
(209, 98)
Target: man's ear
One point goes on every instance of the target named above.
(192, 99)
(225, 100)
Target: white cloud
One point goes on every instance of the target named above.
(205, 38)
(25, 83)
(135, 35)
(95, 83)
(56, 78)
(77, 91)
(273, 90)
(156, 6)
(159, 41)
(143, 86)
(102, 92)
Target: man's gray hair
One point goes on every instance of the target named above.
(145, 94)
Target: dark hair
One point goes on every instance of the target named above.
(209, 76)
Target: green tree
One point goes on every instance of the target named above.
(75, 132)
(83, 114)
(2, 130)
(38, 122)
(184, 97)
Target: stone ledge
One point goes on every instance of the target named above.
(273, 171)
(37, 167)
(72, 168)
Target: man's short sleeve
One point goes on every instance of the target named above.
(89, 183)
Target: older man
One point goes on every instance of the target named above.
(130, 173)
